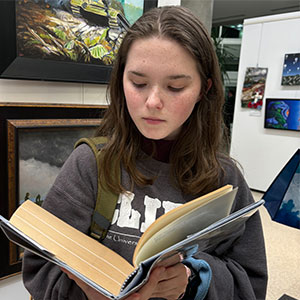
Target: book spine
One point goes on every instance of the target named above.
(128, 279)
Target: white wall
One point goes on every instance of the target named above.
(48, 92)
(263, 152)
(51, 92)
(168, 2)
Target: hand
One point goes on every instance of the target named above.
(164, 282)
(168, 283)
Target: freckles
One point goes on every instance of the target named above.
(184, 107)
(132, 99)
(185, 111)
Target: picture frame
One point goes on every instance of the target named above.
(60, 65)
(254, 88)
(291, 70)
(282, 114)
(25, 139)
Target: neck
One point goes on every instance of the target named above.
(158, 149)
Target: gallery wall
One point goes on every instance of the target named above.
(263, 152)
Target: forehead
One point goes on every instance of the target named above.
(160, 53)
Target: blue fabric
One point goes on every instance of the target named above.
(202, 282)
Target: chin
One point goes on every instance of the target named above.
(153, 136)
(158, 136)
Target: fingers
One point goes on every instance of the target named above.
(188, 271)
(168, 283)
(171, 260)
(174, 282)
(147, 290)
(135, 296)
(176, 271)
(68, 273)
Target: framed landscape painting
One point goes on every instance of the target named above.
(33, 151)
(64, 40)
(37, 149)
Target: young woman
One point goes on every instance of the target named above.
(164, 128)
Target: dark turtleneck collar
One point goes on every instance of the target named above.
(158, 149)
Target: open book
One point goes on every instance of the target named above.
(199, 225)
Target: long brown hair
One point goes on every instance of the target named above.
(194, 156)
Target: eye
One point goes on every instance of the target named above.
(138, 85)
(175, 89)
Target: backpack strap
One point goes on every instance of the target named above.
(106, 200)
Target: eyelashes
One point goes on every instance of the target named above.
(170, 88)
(176, 90)
(139, 85)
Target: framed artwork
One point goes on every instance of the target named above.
(254, 88)
(291, 69)
(281, 113)
(66, 40)
(33, 151)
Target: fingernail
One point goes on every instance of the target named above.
(188, 271)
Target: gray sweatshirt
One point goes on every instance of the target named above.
(238, 265)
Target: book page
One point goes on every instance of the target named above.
(186, 224)
(82, 253)
(231, 226)
(175, 213)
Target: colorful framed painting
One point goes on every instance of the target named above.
(291, 69)
(281, 113)
(64, 40)
(32, 152)
(254, 88)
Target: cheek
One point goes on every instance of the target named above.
(132, 98)
(183, 113)
(183, 108)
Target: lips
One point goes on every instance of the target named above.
(153, 121)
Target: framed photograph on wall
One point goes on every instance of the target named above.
(66, 40)
(33, 151)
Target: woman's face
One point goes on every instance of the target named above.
(161, 85)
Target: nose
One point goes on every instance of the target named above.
(154, 100)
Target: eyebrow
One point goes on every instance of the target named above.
(171, 77)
